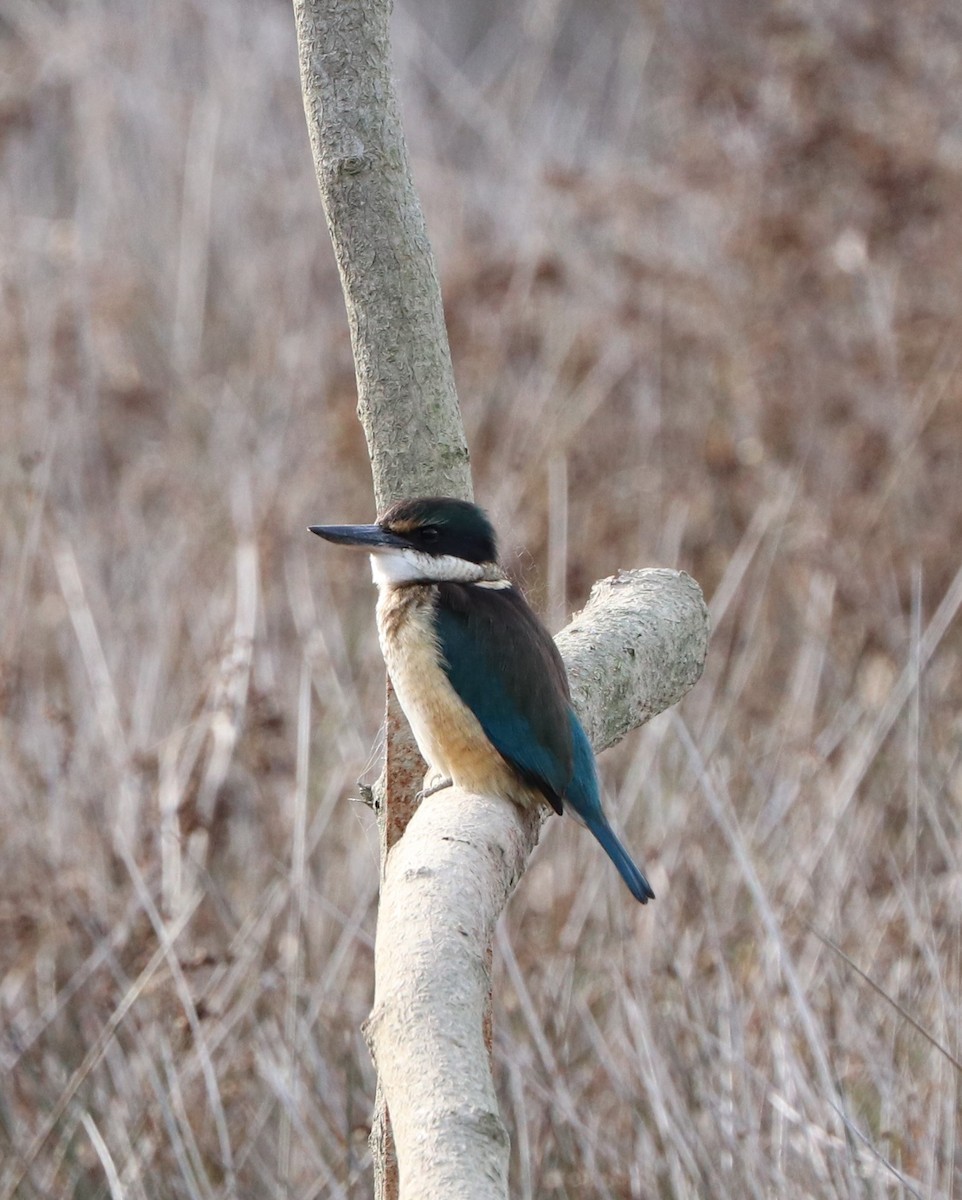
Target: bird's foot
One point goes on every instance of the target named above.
(436, 785)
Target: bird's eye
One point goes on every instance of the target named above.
(430, 534)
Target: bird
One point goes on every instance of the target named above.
(477, 674)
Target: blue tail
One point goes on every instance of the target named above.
(638, 885)
(584, 797)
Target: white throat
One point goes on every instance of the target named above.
(391, 567)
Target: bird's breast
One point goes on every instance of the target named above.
(448, 734)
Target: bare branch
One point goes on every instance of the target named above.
(637, 647)
(406, 397)
(634, 650)
(405, 383)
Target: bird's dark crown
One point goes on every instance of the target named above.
(439, 525)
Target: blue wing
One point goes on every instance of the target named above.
(504, 665)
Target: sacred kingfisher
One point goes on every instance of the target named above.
(478, 676)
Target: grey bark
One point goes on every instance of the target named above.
(406, 397)
(407, 402)
(638, 646)
(635, 649)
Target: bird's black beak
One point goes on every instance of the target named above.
(368, 537)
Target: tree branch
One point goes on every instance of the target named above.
(405, 384)
(637, 647)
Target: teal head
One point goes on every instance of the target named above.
(431, 538)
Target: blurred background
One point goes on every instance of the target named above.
(702, 264)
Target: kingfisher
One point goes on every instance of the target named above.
(479, 678)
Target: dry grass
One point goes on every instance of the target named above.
(703, 270)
